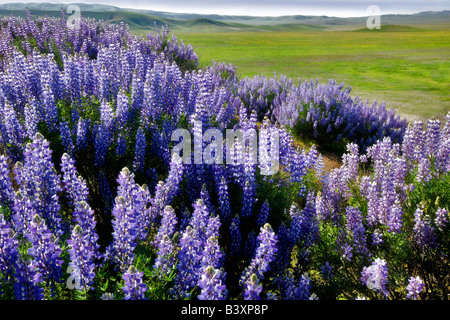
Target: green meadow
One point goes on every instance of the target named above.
(406, 67)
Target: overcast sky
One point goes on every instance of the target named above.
(347, 8)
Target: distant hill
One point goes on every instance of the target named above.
(47, 6)
(391, 28)
(144, 19)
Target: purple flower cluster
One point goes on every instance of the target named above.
(441, 219)
(304, 227)
(325, 110)
(375, 277)
(414, 288)
(9, 246)
(356, 229)
(45, 252)
(296, 289)
(252, 288)
(131, 219)
(420, 146)
(40, 184)
(199, 249)
(265, 254)
(82, 256)
(211, 285)
(165, 259)
(134, 288)
(74, 185)
(424, 232)
(6, 189)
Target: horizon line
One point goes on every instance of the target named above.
(218, 14)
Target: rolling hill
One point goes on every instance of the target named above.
(144, 19)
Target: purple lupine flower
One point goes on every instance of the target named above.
(124, 233)
(224, 201)
(441, 218)
(74, 184)
(134, 288)
(297, 168)
(122, 110)
(101, 143)
(106, 113)
(66, 137)
(204, 195)
(189, 258)
(375, 277)
(351, 161)
(265, 254)
(211, 255)
(322, 211)
(304, 224)
(283, 259)
(13, 132)
(394, 219)
(78, 192)
(137, 196)
(409, 141)
(121, 147)
(6, 189)
(268, 148)
(296, 289)
(51, 111)
(356, 229)
(236, 236)
(252, 288)
(82, 257)
(141, 199)
(250, 244)
(84, 216)
(326, 270)
(207, 233)
(31, 118)
(165, 256)
(168, 223)
(26, 286)
(37, 176)
(211, 286)
(45, 250)
(81, 141)
(125, 222)
(372, 204)
(423, 170)
(347, 251)
(200, 219)
(167, 190)
(9, 246)
(263, 215)
(23, 213)
(415, 287)
(432, 137)
(423, 230)
(139, 155)
(377, 237)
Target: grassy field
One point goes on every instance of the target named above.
(407, 67)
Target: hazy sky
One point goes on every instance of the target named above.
(337, 8)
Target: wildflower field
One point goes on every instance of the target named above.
(95, 205)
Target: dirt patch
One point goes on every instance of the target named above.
(331, 161)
